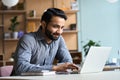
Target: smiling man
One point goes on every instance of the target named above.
(36, 51)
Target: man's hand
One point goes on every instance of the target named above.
(65, 66)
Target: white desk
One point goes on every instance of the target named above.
(105, 75)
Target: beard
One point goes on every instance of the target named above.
(50, 35)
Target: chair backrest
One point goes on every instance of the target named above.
(6, 70)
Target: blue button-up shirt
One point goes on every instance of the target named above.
(34, 54)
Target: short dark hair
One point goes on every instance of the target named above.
(49, 13)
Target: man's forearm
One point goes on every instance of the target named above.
(27, 67)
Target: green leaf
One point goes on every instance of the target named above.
(90, 43)
(14, 23)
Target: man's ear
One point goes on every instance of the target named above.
(43, 23)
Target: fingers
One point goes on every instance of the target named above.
(71, 66)
(65, 66)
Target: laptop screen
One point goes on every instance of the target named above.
(95, 60)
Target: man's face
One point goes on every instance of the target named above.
(54, 28)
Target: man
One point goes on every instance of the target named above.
(36, 51)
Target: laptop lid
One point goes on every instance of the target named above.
(95, 60)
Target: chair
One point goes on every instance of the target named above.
(5, 70)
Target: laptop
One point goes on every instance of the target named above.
(95, 59)
(94, 62)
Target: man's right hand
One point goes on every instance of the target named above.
(64, 67)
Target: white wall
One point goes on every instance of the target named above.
(100, 21)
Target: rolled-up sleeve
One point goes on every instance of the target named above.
(63, 54)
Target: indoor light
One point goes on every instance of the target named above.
(112, 1)
(10, 3)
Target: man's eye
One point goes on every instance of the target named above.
(55, 26)
(62, 27)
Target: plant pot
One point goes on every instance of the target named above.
(15, 35)
(7, 35)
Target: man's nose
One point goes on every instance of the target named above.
(60, 31)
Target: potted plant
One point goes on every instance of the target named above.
(90, 43)
(13, 25)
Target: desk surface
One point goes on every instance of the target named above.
(105, 75)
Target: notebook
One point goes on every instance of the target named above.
(95, 60)
(42, 73)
